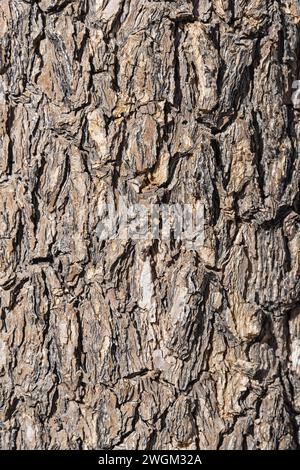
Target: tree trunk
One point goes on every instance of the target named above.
(126, 343)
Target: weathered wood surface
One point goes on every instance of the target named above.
(133, 344)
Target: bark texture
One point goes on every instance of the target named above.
(141, 345)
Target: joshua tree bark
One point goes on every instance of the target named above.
(149, 344)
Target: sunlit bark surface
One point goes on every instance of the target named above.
(144, 344)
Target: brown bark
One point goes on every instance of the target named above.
(133, 344)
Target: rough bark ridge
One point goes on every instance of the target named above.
(134, 344)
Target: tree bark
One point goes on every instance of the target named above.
(145, 344)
